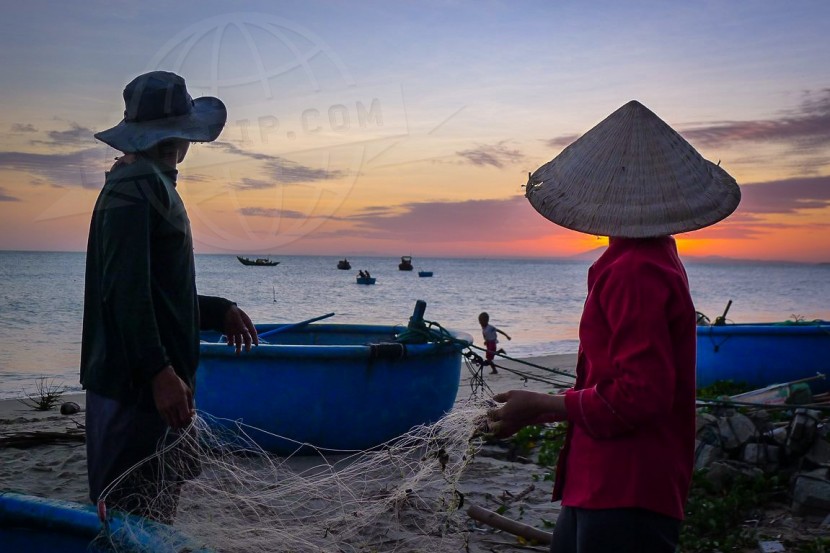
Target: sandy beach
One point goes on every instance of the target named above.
(58, 470)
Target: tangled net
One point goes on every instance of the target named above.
(235, 497)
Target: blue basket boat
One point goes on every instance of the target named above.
(333, 386)
(761, 354)
(33, 525)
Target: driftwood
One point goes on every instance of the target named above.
(23, 440)
(508, 525)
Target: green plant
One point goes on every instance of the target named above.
(817, 545)
(548, 439)
(721, 388)
(714, 517)
(46, 395)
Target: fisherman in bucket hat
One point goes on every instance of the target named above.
(140, 343)
(624, 472)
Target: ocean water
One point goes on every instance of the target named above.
(537, 302)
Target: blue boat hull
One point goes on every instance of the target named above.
(336, 387)
(33, 525)
(761, 354)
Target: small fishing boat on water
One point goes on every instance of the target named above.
(334, 386)
(258, 262)
(424, 273)
(406, 263)
(344, 265)
(365, 280)
(37, 525)
(762, 354)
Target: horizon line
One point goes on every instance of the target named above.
(583, 256)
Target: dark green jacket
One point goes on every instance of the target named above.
(141, 311)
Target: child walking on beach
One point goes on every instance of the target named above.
(491, 339)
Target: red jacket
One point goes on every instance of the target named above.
(631, 413)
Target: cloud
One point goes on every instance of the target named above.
(787, 196)
(738, 226)
(808, 126)
(501, 220)
(281, 170)
(559, 142)
(193, 177)
(57, 166)
(253, 184)
(513, 218)
(762, 199)
(272, 213)
(23, 127)
(496, 155)
(75, 135)
(288, 172)
(6, 198)
(58, 169)
(236, 150)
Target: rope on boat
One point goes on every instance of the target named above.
(770, 407)
(553, 370)
(431, 331)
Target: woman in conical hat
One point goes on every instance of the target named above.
(624, 472)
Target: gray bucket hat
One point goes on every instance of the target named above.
(157, 108)
(632, 176)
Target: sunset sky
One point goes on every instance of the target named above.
(392, 128)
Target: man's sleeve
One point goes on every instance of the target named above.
(127, 219)
(212, 311)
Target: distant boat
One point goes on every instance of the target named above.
(259, 262)
(406, 263)
(344, 265)
(366, 280)
(424, 273)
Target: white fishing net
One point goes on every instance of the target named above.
(401, 497)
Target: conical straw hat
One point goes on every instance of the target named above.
(632, 176)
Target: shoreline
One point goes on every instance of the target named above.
(57, 470)
(68, 379)
(12, 406)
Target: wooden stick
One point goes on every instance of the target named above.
(508, 525)
(22, 440)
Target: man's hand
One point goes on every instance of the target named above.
(239, 329)
(174, 399)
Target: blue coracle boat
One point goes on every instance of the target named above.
(33, 525)
(333, 386)
(761, 354)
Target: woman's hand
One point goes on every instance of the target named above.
(522, 408)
